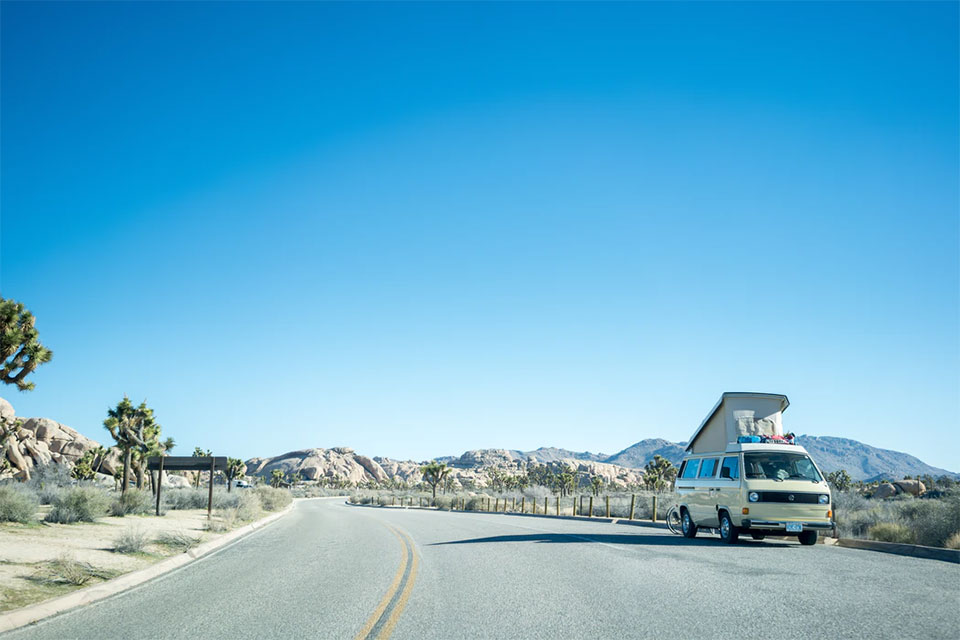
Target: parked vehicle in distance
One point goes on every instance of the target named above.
(242, 484)
(741, 475)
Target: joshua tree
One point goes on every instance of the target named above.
(235, 469)
(840, 479)
(199, 453)
(276, 478)
(497, 479)
(596, 482)
(434, 473)
(20, 349)
(132, 428)
(658, 473)
(83, 468)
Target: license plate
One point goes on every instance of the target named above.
(794, 527)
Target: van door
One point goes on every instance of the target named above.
(686, 482)
(704, 511)
(727, 493)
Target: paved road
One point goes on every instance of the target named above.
(328, 570)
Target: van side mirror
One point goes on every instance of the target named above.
(725, 473)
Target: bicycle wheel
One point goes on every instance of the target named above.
(673, 520)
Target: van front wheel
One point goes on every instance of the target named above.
(808, 537)
(728, 532)
(686, 523)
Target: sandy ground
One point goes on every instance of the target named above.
(25, 547)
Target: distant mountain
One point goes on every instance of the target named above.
(639, 454)
(861, 461)
(864, 462)
(553, 454)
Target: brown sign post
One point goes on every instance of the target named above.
(187, 463)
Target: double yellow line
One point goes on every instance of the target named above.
(385, 617)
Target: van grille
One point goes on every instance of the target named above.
(784, 496)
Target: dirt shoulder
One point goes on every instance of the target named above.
(32, 556)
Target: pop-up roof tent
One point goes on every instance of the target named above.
(739, 414)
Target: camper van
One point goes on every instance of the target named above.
(741, 475)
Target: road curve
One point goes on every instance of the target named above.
(329, 570)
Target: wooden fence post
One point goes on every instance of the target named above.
(590, 515)
(496, 506)
(654, 518)
(608, 505)
(545, 506)
(633, 502)
(159, 484)
(574, 505)
(558, 505)
(523, 504)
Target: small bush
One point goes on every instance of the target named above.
(134, 501)
(273, 499)
(53, 475)
(133, 540)
(79, 504)
(891, 532)
(223, 520)
(192, 498)
(179, 541)
(66, 570)
(17, 504)
(953, 542)
(49, 495)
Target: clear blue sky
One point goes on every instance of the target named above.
(421, 229)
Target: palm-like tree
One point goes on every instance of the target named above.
(132, 428)
(235, 469)
(434, 473)
(276, 478)
(596, 482)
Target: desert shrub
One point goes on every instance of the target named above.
(49, 494)
(179, 541)
(132, 540)
(66, 570)
(133, 501)
(191, 498)
(891, 532)
(52, 475)
(361, 499)
(223, 520)
(79, 504)
(478, 502)
(844, 501)
(953, 542)
(273, 499)
(932, 521)
(17, 504)
(445, 502)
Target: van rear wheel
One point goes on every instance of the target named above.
(728, 532)
(686, 523)
(807, 537)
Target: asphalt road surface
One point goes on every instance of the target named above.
(328, 570)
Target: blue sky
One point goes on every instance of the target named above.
(420, 229)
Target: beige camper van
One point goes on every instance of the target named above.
(740, 475)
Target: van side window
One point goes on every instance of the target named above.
(708, 468)
(690, 469)
(730, 468)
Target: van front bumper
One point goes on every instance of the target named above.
(773, 525)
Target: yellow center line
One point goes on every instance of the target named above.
(404, 596)
(392, 590)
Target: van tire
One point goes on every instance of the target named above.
(687, 525)
(807, 537)
(728, 532)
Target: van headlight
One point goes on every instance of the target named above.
(753, 496)
(824, 499)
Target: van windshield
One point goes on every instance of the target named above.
(779, 466)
